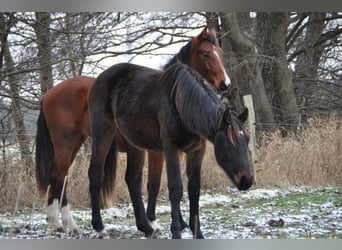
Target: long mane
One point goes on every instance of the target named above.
(197, 104)
(181, 56)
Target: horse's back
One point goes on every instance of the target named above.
(123, 76)
(65, 106)
(64, 93)
(124, 84)
(129, 94)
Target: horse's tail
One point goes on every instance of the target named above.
(44, 154)
(108, 184)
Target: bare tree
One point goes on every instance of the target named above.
(244, 66)
(289, 62)
(16, 107)
(271, 34)
(38, 49)
(317, 59)
(42, 30)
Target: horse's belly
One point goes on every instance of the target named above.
(146, 143)
(142, 134)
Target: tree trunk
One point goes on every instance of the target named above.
(240, 56)
(42, 30)
(271, 39)
(306, 69)
(16, 111)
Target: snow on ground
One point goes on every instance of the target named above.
(297, 212)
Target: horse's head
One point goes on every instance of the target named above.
(206, 59)
(231, 149)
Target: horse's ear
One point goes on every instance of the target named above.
(243, 117)
(204, 34)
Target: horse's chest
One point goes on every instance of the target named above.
(189, 143)
(183, 139)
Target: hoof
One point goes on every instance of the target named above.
(101, 235)
(199, 235)
(184, 225)
(153, 236)
(156, 227)
(177, 235)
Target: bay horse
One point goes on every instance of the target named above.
(63, 126)
(168, 111)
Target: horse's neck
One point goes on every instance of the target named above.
(182, 56)
(203, 118)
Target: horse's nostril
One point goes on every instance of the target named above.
(245, 183)
(223, 86)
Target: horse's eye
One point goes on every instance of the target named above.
(206, 54)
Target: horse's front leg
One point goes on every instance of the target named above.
(133, 178)
(155, 167)
(175, 186)
(193, 170)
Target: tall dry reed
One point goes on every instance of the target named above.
(312, 156)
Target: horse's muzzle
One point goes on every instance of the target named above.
(243, 181)
(224, 85)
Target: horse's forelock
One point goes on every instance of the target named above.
(210, 38)
(234, 130)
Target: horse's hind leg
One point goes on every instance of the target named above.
(58, 200)
(133, 178)
(67, 219)
(52, 216)
(54, 204)
(101, 145)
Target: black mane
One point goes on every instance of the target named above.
(181, 56)
(197, 104)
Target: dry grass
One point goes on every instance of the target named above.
(310, 157)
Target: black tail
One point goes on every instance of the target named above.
(108, 184)
(44, 154)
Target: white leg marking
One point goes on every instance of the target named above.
(67, 219)
(53, 215)
(155, 225)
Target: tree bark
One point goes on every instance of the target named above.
(306, 69)
(16, 111)
(241, 59)
(271, 35)
(42, 30)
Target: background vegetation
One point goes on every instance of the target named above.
(289, 62)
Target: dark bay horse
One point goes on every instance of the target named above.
(168, 111)
(63, 126)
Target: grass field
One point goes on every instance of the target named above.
(310, 157)
(278, 213)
